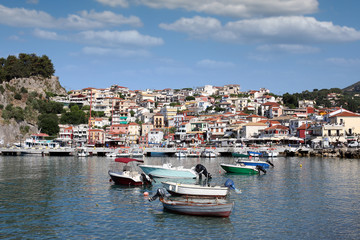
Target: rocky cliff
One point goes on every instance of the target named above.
(10, 130)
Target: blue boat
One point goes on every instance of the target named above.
(254, 162)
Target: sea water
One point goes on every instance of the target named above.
(72, 198)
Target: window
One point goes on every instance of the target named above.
(329, 132)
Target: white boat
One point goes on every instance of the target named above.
(111, 154)
(123, 153)
(82, 152)
(209, 153)
(137, 153)
(168, 171)
(193, 153)
(269, 153)
(195, 190)
(181, 154)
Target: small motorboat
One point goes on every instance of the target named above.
(111, 154)
(197, 190)
(181, 153)
(212, 207)
(193, 153)
(256, 162)
(168, 171)
(209, 153)
(137, 153)
(128, 176)
(242, 168)
(240, 154)
(82, 152)
(123, 153)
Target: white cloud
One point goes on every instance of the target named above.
(115, 52)
(47, 35)
(281, 30)
(114, 3)
(116, 38)
(214, 64)
(290, 48)
(233, 8)
(344, 61)
(197, 26)
(21, 17)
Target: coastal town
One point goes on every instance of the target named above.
(207, 116)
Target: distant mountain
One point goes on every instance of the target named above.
(355, 88)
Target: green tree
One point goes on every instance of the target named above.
(49, 124)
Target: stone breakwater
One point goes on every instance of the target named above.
(337, 152)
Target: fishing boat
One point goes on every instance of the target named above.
(212, 207)
(168, 171)
(242, 168)
(196, 190)
(128, 176)
(256, 162)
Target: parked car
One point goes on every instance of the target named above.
(354, 144)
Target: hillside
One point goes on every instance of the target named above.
(355, 88)
(18, 119)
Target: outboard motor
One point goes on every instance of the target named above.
(159, 193)
(261, 168)
(147, 180)
(271, 164)
(230, 184)
(200, 169)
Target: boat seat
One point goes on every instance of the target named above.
(127, 168)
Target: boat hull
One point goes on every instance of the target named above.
(230, 168)
(121, 179)
(167, 172)
(240, 155)
(210, 209)
(195, 190)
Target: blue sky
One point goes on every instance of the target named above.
(282, 45)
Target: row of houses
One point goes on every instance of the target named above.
(202, 115)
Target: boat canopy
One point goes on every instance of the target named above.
(127, 160)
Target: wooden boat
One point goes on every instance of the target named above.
(168, 171)
(195, 190)
(242, 168)
(212, 207)
(128, 176)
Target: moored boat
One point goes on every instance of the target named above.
(195, 190)
(128, 176)
(255, 162)
(242, 168)
(240, 154)
(212, 207)
(168, 171)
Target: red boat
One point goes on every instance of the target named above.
(128, 176)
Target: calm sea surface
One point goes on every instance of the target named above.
(72, 198)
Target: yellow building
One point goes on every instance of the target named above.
(350, 121)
